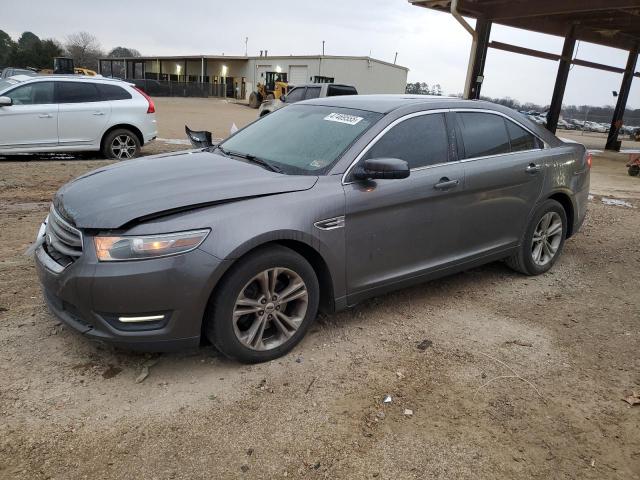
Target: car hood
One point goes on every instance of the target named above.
(113, 196)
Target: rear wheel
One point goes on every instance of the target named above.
(543, 240)
(264, 305)
(121, 144)
(634, 170)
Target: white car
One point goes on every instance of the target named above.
(63, 113)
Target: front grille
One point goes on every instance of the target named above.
(63, 242)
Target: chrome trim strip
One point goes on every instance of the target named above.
(67, 225)
(148, 318)
(427, 112)
(330, 223)
(47, 261)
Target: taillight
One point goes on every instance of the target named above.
(152, 107)
(589, 159)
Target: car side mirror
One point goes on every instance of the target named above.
(383, 169)
(199, 139)
(5, 102)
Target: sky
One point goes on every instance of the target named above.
(431, 44)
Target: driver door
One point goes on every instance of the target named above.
(399, 229)
(32, 119)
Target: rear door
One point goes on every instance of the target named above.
(32, 120)
(83, 113)
(504, 174)
(399, 229)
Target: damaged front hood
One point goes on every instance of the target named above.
(111, 197)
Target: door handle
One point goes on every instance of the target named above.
(532, 168)
(45, 115)
(98, 114)
(445, 184)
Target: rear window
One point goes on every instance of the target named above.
(337, 90)
(521, 139)
(483, 134)
(77, 92)
(112, 92)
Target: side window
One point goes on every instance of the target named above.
(76, 92)
(312, 92)
(112, 92)
(37, 93)
(483, 134)
(420, 141)
(520, 138)
(295, 95)
(336, 90)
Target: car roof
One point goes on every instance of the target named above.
(72, 78)
(388, 103)
(321, 84)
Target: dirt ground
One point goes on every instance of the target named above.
(506, 376)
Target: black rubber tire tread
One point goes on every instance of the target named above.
(218, 328)
(522, 261)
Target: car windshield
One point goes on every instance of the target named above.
(7, 82)
(301, 139)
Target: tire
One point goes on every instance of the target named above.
(634, 170)
(121, 144)
(526, 260)
(231, 333)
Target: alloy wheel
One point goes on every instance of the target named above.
(270, 308)
(547, 238)
(123, 146)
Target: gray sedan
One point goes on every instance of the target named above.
(319, 205)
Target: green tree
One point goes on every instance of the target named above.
(7, 45)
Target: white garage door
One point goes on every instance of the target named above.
(298, 75)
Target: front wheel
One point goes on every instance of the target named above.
(121, 144)
(264, 306)
(543, 240)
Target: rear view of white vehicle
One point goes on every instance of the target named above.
(59, 113)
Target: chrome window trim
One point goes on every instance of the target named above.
(545, 145)
(383, 132)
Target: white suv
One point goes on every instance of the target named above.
(61, 113)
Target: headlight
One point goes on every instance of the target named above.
(110, 249)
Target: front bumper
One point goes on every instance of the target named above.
(91, 296)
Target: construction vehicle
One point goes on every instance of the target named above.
(64, 66)
(275, 86)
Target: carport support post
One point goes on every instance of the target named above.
(483, 29)
(561, 81)
(621, 105)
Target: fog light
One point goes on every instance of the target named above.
(147, 318)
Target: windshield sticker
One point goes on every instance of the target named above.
(343, 118)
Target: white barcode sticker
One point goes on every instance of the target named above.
(343, 118)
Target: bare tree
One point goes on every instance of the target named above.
(85, 49)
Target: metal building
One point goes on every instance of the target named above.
(236, 76)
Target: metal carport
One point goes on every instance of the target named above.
(612, 23)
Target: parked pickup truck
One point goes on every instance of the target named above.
(305, 92)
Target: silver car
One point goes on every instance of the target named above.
(69, 113)
(319, 205)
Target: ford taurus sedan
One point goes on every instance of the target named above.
(319, 205)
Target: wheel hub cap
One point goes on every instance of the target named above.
(547, 238)
(270, 308)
